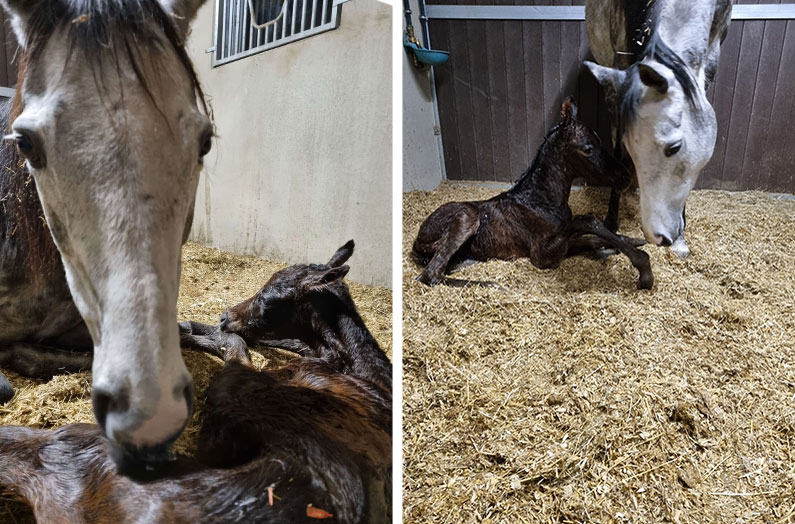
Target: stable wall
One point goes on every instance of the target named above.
(303, 158)
(422, 163)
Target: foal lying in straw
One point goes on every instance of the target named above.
(533, 218)
(309, 441)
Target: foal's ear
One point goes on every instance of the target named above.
(342, 254)
(20, 12)
(183, 12)
(655, 75)
(608, 77)
(317, 280)
(568, 111)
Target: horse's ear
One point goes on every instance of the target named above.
(316, 280)
(654, 75)
(20, 12)
(183, 12)
(608, 77)
(568, 111)
(342, 255)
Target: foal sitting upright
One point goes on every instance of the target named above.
(309, 441)
(533, 218)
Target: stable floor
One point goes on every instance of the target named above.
(574, 397)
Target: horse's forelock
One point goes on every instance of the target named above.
(101, 28)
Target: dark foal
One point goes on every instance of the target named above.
(309, 441)
(533, 218)
(290, 312)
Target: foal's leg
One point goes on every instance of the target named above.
(596, 248)
(210, 339)
(590, 247)
(465, 226)
(589, 225)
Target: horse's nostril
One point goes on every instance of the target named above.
(224, 318)
(105, 403)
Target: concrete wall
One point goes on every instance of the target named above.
(303, 159)
(422, 165)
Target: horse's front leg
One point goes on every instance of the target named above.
(590, 225)
(41, 361)
(611, 220)
(621, 180)
(464, 227)
(69, 352)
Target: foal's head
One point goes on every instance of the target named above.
(282, 309)
(580, 148)
(113, 131)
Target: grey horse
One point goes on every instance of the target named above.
(657, 59)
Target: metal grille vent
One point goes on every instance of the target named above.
(246, 27)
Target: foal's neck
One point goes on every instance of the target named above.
(340, 328)
(549, 178)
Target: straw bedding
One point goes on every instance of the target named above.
(573, 397)
(212, 281)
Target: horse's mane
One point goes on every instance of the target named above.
(643, 41)
(539, 157)
(106, 31)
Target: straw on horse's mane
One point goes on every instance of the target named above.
(106, 31)
(643, 41)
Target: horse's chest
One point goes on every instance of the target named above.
(34, 312)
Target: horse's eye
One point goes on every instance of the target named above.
(28, 147)
(24, 145)
(206, 144)
(587, 149)
(673, 148)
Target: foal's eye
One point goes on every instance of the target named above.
(673, 148)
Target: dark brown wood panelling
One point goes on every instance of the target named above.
(8, 66)
(504, 83)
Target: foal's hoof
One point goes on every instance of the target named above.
(646, 281)
(427, 279)
(6, 390)
(603, 253)
(634, 242)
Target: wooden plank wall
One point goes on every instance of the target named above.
(504, 83)
(8, 50)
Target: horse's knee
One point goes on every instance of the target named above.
(6, 389)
